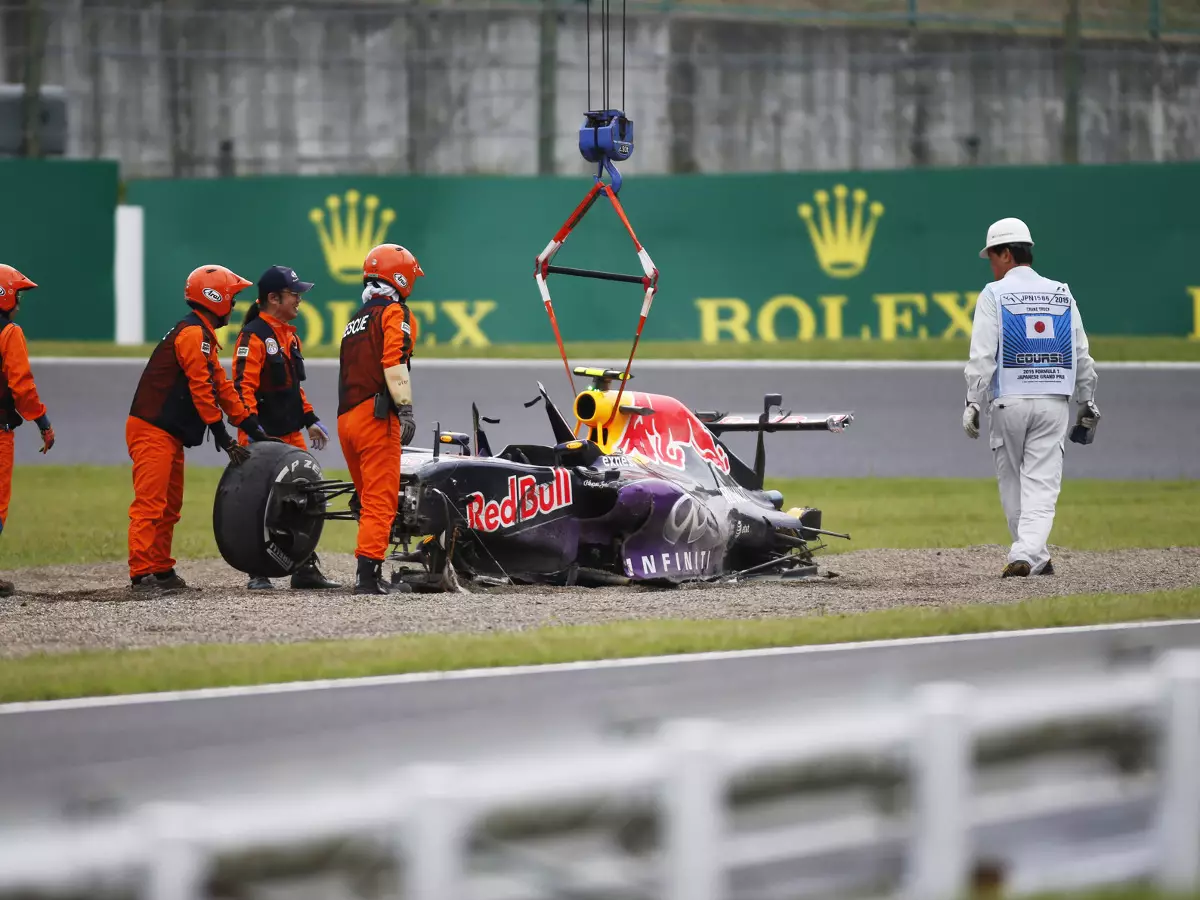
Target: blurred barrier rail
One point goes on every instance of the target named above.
(185, 88)
(1058, 783)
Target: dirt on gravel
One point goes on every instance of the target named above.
(63, 608)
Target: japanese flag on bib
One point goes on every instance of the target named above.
(1039, 326)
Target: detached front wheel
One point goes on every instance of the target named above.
(263, 522)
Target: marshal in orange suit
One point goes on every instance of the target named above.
(268, 372)
(375, 413)
(19, 400)
(180, 396)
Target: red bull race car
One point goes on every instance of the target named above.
(638, 489)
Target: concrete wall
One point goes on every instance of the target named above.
(163, 86)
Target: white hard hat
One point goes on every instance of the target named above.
(1006, 231)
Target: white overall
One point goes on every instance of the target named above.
(1030, 353)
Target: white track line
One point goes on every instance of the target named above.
(643, 365)
(508, 671)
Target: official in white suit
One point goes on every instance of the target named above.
(1029, 357)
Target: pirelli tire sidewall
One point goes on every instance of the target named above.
(258, 531)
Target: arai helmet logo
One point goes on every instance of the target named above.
(212, 294)
(526, 500)
(400, 279)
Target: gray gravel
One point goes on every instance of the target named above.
(63, 608)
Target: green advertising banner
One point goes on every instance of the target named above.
(877, 255)
(58, 229)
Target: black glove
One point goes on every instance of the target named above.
(237, 453)
(253, 428)
(408, 425)
(47, 430)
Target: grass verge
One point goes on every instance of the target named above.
(1105, 349)
(57, 676)
(876, 512)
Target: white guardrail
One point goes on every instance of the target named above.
(1064, 783)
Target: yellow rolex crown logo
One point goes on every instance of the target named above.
(842, 241)
(347, 239)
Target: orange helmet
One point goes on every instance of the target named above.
(11, 282)
(395, 265)
(213, 288)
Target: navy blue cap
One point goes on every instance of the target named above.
(281, 278)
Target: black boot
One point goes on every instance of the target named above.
(1016, 569)
(170, 580)
(369, 579)
(6, 588)
(309, 578)
(144, 584)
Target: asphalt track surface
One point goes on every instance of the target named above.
(907, 416)
(216, 746)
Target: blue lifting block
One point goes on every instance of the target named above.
(606, 135)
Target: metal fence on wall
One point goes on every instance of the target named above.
(191, 88)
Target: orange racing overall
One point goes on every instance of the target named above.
(182, 391)
(378, 338)
(18, 401)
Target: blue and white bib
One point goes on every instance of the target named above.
(1036, 353)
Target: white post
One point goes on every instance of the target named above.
(694, 812)
(432, 836)
(129, 276)
(177, 864)
(1178, 819)
(74, 77)
(940, 773)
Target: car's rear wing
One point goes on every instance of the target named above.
(719, 422)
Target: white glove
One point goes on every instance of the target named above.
(971, 420)
(1089, 415)
(318, 435)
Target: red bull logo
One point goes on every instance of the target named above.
(663, 436)
(526, 500)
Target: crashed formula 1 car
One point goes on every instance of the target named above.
(640, 489)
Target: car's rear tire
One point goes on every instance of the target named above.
(262, 524)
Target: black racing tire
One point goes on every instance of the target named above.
(262, 524)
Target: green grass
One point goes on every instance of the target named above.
(1105, 349)
(961, 512)
(56, 676)
(78, 514)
